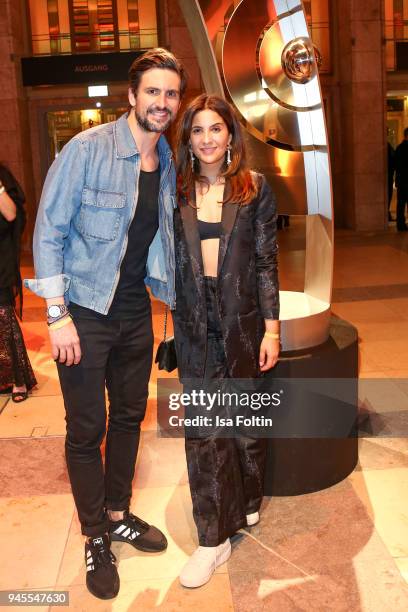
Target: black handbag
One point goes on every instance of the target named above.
(166, 357)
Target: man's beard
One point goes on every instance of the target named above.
(148, 126)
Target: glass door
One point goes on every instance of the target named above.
(62, 125)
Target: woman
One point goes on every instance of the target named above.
(226, 318)
(16, 373)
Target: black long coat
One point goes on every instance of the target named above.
(248, 290)
(10, 232)
(401, 166)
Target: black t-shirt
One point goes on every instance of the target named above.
(131, 296)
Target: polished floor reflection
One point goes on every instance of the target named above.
(345, 548)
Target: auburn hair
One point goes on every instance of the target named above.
(243, 188)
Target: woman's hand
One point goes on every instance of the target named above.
(269, 353)
(7, 207)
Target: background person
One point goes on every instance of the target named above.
(226, 317)
(401, 170)
(390, 176)
(16, 373)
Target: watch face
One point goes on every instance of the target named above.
(54, 311)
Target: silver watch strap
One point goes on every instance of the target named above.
(63, 311)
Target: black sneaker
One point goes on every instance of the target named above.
(102, 578)
(139, 534)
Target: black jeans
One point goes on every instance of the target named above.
(225, 474)
(402, 199)
(117, 354)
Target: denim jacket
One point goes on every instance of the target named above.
(88, 202)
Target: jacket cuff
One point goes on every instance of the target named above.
(50, 287)
(271, 314)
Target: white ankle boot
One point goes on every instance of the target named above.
(202, 563)
(252, 519)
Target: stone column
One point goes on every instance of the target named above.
(15, 146)
(361, 69)
(179, 42)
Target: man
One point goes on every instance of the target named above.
(391, 173)
(104, 227)
(401, 168)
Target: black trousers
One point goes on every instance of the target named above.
(402, 199)
(225, 474)
(117, 354)
(15, 366)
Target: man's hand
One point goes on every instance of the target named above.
(268, 354)
(65, 346)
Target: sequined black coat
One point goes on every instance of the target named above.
(248, 290)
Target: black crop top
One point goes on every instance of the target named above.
(209, 230)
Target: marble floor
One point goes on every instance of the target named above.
(341, 549)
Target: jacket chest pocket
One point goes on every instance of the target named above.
(101, 213)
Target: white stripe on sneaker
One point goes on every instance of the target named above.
(120, 529)
(126, 533)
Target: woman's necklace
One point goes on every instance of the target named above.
(207, 192)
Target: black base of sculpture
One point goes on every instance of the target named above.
(303, 465)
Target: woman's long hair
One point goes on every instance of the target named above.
(243, 188)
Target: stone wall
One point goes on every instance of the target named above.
(15, 145)
(362, 111)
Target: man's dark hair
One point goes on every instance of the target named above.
(156, 58)
(406, 132)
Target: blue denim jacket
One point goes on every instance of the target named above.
(88, 202)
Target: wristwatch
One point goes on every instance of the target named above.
(2, 188)
(56, 312)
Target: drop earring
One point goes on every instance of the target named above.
(229, 155)
(192, 159)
